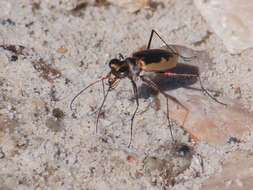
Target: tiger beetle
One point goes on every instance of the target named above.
(149, 60)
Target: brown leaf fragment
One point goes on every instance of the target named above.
(17, 49)
(47, 71)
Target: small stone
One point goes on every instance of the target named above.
(183, 149)
(58, 113)
(62, 50)
(54, 125)
(152, 164)
(233, 140)
(2, 155)
(8, 21)
(14, 58)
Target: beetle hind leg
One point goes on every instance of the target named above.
(167, 96)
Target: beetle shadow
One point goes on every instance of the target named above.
(167, 83)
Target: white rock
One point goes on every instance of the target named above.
(131, 5)
(231, 20)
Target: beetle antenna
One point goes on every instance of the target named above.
(103, 102)
(102, 79)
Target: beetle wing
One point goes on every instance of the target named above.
(156, 60)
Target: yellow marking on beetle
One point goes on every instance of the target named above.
(115, 67)
(161, 66)
(142, 63)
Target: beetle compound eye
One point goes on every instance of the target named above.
(123, 72)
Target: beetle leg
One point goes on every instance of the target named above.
(137, 106)
(181, 75)
(167, 96)
(200, 82)
(171, 49)
(101, 106)
(208, 94)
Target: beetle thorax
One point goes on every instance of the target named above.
(134, 68)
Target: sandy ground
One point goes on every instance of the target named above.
(44, 145)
